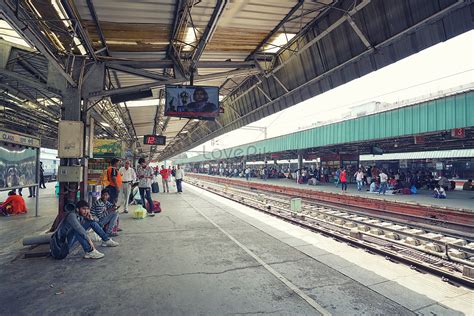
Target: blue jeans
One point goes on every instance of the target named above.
(111, 220)
(74, 236)
(383, 187)
(179, 185)
(146, 195)
(344, 186)
(359, 185)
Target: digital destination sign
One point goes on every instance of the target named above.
(154, 140)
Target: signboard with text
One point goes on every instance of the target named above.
(19, 139)
(107, 148)
(458, 133)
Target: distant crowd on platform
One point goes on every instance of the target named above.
(370, 178)
(103, 216)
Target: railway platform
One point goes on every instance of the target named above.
(206, 255)
(456, 199)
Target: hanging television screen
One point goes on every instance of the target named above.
(198, 102)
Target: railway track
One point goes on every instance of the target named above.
(423, 246)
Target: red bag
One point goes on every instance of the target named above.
(156, 206)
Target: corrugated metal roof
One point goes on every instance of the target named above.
(441, 154)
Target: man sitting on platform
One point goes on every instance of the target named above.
(74, 228)
(105, 213)
(14, 204)
(439, 192)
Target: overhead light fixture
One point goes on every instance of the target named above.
(105, 124)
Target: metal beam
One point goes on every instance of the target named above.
(332, 27)
(275, 30)
(71, 12)
(359, 33)
(208, 33)
(93, 13)
(137, 88)
(36, 40)
(139, 72)
(168, 63)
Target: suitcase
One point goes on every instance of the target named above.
(155, 188)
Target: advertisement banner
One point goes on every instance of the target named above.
(107, 148)
(17, 166)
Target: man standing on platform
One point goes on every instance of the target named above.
(164, 178)
(41, 184)
(383, 182)
(145, 177)
(179, 175)
(128, 177)
(115, 180)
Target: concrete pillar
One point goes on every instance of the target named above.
(73, 110)
(300, 161)
(300, 166)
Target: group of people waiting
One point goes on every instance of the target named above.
(103, 216)
(129, 180)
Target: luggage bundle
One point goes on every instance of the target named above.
(156, 206)
(139, 213)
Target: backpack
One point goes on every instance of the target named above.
(58, 246)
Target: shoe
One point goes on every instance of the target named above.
(110, 243)
(126, 212)
(119, 229)
(94, 254)
(30, 196)
(112, 235)
(151, 214)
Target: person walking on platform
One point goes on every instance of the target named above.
(128, 177)
(247, 173)
(359, 175)
(164, 179)
(41, 184)
(114, 179)
(343, 179)
(145, 177)
(337, 177)
(179, 175)
(383, 182)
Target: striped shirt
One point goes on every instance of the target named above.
(99, 208)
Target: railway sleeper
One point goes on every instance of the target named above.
(433, 247)
(412, 241)
(454, 241)
(392, 235)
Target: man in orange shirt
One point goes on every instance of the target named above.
(115, 180)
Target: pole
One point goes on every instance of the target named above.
(38, 180)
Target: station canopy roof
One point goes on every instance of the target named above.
(262, 54)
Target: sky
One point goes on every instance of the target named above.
(443, 66)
